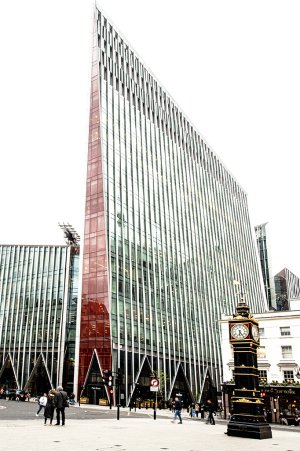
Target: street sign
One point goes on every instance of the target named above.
(154, 382)
(153, 388)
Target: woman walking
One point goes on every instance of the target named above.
(42, 403)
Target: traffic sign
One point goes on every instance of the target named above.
(154, 382)
(153, 388)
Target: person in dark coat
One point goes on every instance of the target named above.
(60, 401)
(50, 406)
(211, 410)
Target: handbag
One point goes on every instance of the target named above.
(65, 401)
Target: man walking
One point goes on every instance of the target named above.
(178, 407)
(211, 410)
(60, 402)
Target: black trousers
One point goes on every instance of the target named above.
(211, 418)
(60, 410)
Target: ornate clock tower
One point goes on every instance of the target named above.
(247, 419)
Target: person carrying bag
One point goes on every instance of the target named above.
(61, 402)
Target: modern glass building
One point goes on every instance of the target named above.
(167, 237)
(265, 263)
(287, 289)
(38, 304)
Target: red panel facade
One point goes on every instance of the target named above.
(95, 325)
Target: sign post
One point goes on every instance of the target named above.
(154, 384)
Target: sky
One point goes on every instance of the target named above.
(232, 66)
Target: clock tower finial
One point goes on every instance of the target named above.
(242, 308)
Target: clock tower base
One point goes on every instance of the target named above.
(249, 430)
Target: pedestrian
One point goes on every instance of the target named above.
(27, 397)
(297, 420)
(42, 403)
(197, 409)
(178, 407)
(50, 406)
(283, 420)
(221, 411)
(211, 410)
(61, 402)
(202, 411)
(192, 410)
(72, 399)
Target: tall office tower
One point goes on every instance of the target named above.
(287, 289)
(167, 237)
(265, 262)
(38, 303)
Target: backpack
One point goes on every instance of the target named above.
(65, 400)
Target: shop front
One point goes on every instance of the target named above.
(282, 403)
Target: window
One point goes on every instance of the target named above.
(286, 352)
(262, 374)
(261, 352)
(288, 375)
(285, 331)
(261, 332)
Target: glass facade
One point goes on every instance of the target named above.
(264, 256)
(167, 233)
(287, 289)
(38, 303)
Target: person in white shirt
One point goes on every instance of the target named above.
(42, 403)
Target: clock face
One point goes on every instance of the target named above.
(239, 331)
(255, 333)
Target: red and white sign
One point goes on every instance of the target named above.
(154, 382)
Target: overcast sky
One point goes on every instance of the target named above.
(233, 67)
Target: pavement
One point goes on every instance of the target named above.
(134, 433)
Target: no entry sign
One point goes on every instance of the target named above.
(154, 382)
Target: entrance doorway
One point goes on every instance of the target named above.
(94, 390)
(7, 376)
(39, 382)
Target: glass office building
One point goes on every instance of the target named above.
(38, 304)
(287, 289)
(167, 237)
(262, 241)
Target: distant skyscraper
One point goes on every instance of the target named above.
(167, 237)
(38, 303)
(265, 262)
(287, 288)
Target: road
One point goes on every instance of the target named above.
(14, 410)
